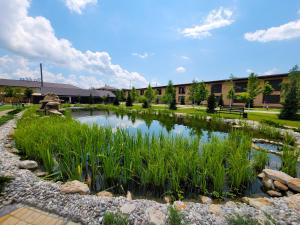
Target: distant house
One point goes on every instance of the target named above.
(67, 92)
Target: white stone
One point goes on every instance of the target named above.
(156, 216)
(28, 164)
(128, 208)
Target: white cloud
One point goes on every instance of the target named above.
(34, 38)
(141, 55)
(185, 57)
(79, 5)
(180, 69)
(217, 18)
(283, 32)
(271, 71)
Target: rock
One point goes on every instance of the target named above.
(257, 203)
(268, 183)
(156, 217)
(28, 164)
(74, 186)
(293, 202)
(8, 146)
(14, 151)
(129, 196)
(104, 194)
(55, 112)
(273, 193)
(289, 193)
(280, 186)
(7, 174)
(277, 175)
(215, 209)
(167, 199)
(128, 208)
(294, 184)
(261, 175)
(205, 199)
(41, 173)
(179, 205)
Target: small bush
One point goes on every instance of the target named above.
(289, 139)
(289, 160)
(145, 104)
(260, 160)
(211, 103)
(115, 219)
(175, 217)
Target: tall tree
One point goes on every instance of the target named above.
(9, 92)
(129, 100)
(122, 95)
(150, 95)
(170, 96)
(267, 90)
(211, 103)
(231, 91)
(202, 93)
(291, 94)
(253, 89)
(134, 94)
(117, 98)
(28, 94)
(193, 92)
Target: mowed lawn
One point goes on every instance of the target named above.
(5, 107)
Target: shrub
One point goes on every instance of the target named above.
(260, 160)
(115, 219)
(145, 104)
(129, 100)
(211, 103)
(290, 160)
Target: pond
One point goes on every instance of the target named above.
(174, 126)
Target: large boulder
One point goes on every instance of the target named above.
(277, 175)
(294, 184)
(28, 164)
(280, 186)
(257, 202)
(75, 186)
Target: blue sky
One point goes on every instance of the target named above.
(92, 42)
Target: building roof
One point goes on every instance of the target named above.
(33, 84)
(237, 79)
(57, 88)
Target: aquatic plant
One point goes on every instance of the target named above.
(175, 217)
(110, 218)
(260, 159)
(290, 160)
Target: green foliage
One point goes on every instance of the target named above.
(122, 95)
(129, 100)
(290, 160)
(253, 88)
(231, 91)
(9, 116)
(198, 92)
(134, 94)
(289, 139)
(175, 217)
(267, 89)
(260, 160)
(291, 94)
(9, 92)
(150, 95)
(145, 104)
(170, 96)
(244, 97)
(242, 220)
(115, 219)
(211, 103)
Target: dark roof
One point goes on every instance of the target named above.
(33, 84)
(107, 87)
(76, 92)
(220, 81)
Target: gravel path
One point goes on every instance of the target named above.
(28, 189)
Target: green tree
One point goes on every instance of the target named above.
(201, 93)
(231, 92)
(193, 92)
(117, 98)
(150, 95)
(122, 95)
(267, 90)
(211, 103)
(244, 97)
(170, 96)
(129, 100)
(134, 94)
(9, 92)
(253, 89)
(28, 94)
(291, 94)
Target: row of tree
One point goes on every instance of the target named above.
(17, 94)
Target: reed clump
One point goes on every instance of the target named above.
(141, 162)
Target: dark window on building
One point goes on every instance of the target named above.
(158, 91)
(240, 87)
(272, 99)
(142, 92)
(216, 88)
(276, 84)
(181, 90)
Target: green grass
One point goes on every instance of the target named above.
(175, 217)
(260, 159)
(115, 219)
(289, 160)
(9, 116)
(246, 220)
(6, 107)
(158, 164)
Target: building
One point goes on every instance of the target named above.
(221, 87)
(108, 88)
(68, 93)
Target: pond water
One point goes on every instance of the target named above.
(157, 125)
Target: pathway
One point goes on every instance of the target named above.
(25, 215)
(2, 113)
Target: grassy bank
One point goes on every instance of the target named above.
(120, 161)
(10, 115)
